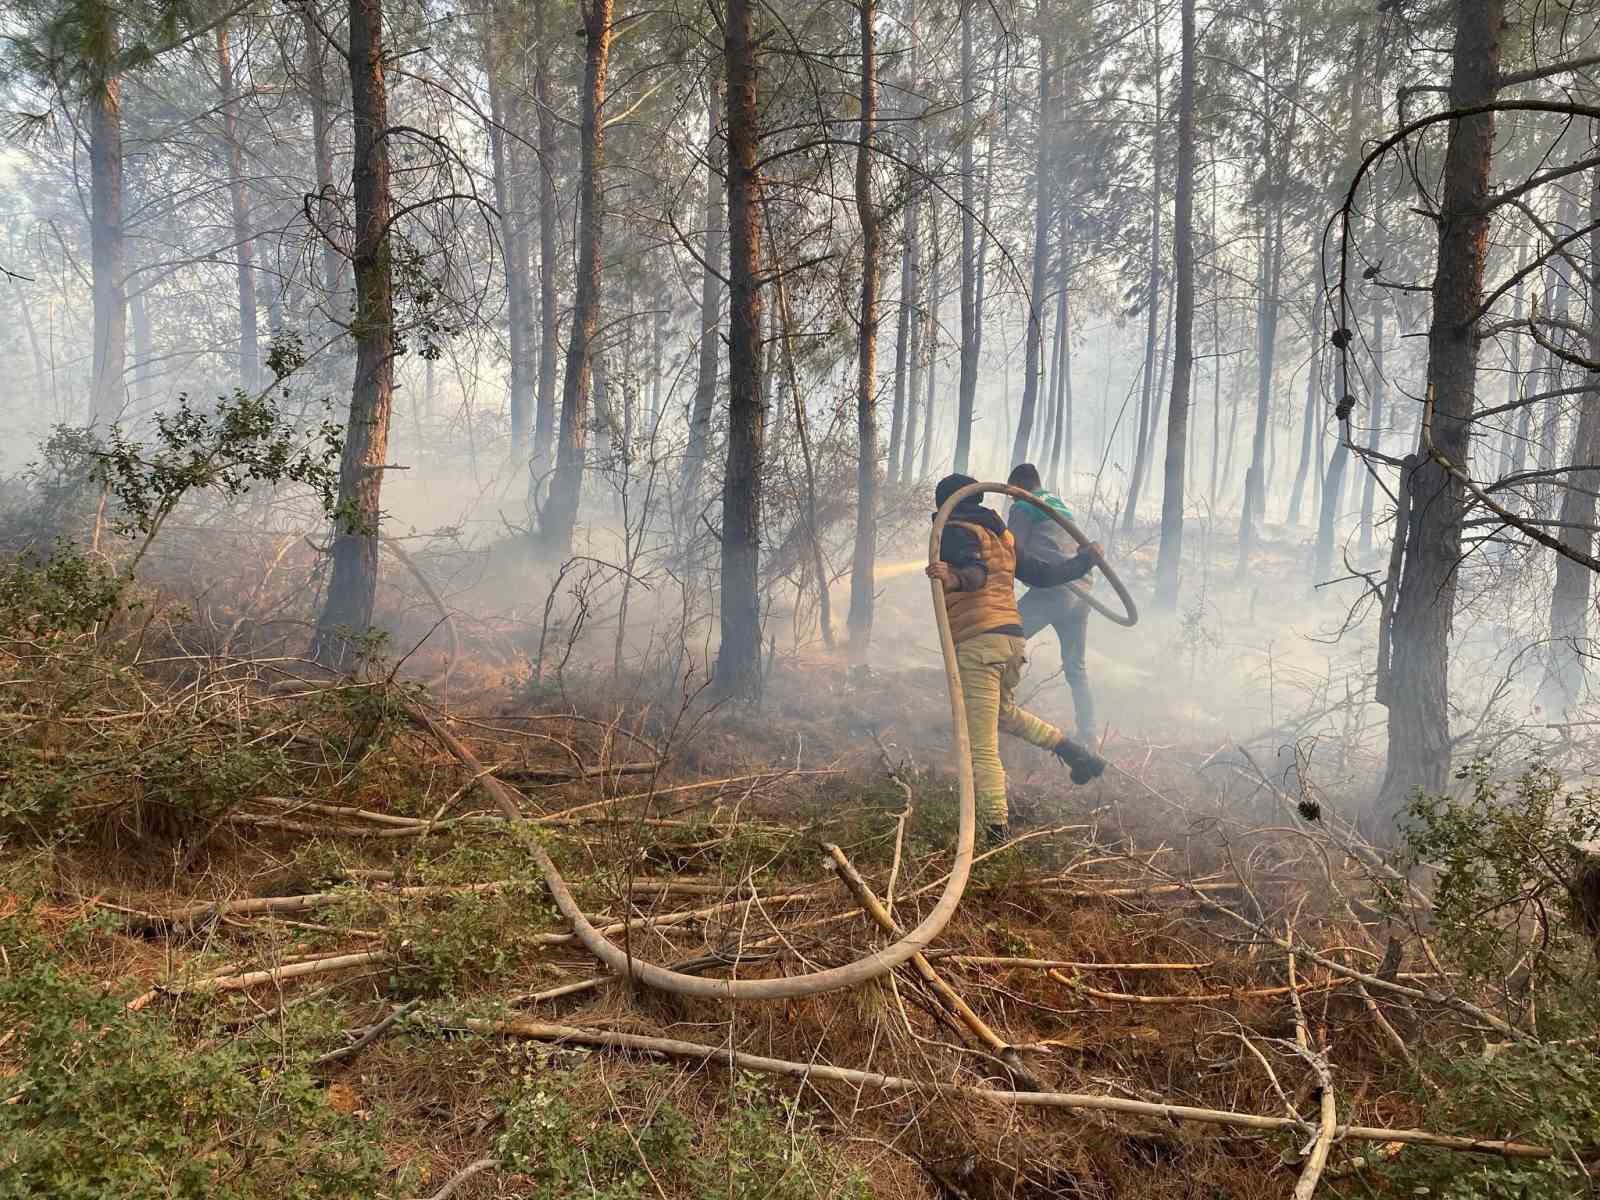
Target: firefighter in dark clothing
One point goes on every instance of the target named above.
(978, 565)
(1059, 608)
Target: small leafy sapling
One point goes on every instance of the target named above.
(243, 441)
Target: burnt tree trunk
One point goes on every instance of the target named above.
(353, 586)
(561, 509)
(738, 671)
(1419, 715)
(1061, 377)
(1170, 555)
(859, 621)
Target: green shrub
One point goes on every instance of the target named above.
(107, 1105)
(67, 593)
(623, 1141)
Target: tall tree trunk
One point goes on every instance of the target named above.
(1560, 308)
(504, 138)
(561, 509)
(353, 587)
(1061, 379)
(320, 103)
(902, 346)
(1170, 555)
(1153, 333)
(1255, 489)
(705, 388)
(935, 295)
(1419, 715)
(243, 246)
(862, 581)
(107, 248)
(1034, 342)
(1313, 408)
(918, 320)
(1508, 449)
(738, 671)
(1379, 417)
(549, 308)
(143, 351)
(970, 316)
(1567, 668)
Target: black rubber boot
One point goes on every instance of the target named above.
(1085, 763)
(996, 835)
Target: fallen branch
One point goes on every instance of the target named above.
(460, 1177)
(699, 1052)
(1003, 1050)
(368, 1036)
(275, 975)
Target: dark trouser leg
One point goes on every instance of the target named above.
(1072, 630)
(1056, 608)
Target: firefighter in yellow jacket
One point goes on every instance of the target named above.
(979, 563)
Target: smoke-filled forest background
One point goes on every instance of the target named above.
(576, 377)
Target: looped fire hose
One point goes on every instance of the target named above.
(850, 975)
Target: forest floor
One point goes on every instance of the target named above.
(243, 876)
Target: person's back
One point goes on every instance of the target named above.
(1059, 608)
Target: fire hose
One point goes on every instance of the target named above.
(863, 970)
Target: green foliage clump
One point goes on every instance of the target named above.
(108, 1105)
(1504, 871)
(66, 593)
(628, 1141)
(1547, 1094)
(475, 938)
(1508, 923)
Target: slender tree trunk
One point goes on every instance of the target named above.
(705, 390)
(504, 137)
(1567, 668)
(243, 247)
(935, 295)
(1170, 555)
(1560, 310)
(1419, 715)
(902, 349)
(862, 580)
(1034, 341)
(107, 248)
(143, 350)
(353, 587)
(658, 332)
(1153, 333)
(1255, 488)
(1379, 418)
(970, 316)
(320, 103)
(1514, 376)
(738, 671)
(1313, 408)
(1061, 408)
(918, 321)
(561, 509)
(549, 307)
